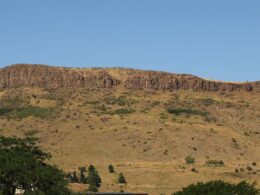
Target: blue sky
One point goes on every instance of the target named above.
(212, 39)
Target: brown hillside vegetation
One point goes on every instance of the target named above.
(145, 123)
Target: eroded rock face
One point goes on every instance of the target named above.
(48, 77)
(167, 81)
(53, 77)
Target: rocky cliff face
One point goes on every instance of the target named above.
(24, 75)
(174, 82)
(53, 77)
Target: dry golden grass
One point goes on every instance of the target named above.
(148, 145)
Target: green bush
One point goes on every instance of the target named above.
(124, 111)
(219, 188)
(24, 112)
(189, 159)
(121, 179)
(216, 163)
(34, 111)
(121, 100)
(111, 169)
(178, 111)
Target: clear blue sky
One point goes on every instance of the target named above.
(218, 39)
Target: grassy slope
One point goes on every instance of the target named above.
(148, 144)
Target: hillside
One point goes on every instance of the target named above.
(145, 123)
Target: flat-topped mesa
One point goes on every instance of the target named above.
(42, 76)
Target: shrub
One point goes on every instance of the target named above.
(219, 187)
(235, 143)
(34, 111)
(249, 168)
(189, 159)
(24, 112)
(121, 179)
(121, 100)
(216, 163)
(111, 169)
(178, 111)
(194, 170)
(124, 111)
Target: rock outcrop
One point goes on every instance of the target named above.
(24, 75)
(167, 81)
(53, 77)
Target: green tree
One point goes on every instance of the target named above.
(121, 178)
(91, 169)
(219, 187)
(111, 169)
(82, 177)
(22, 166)
(93, 177)
(82, 171)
